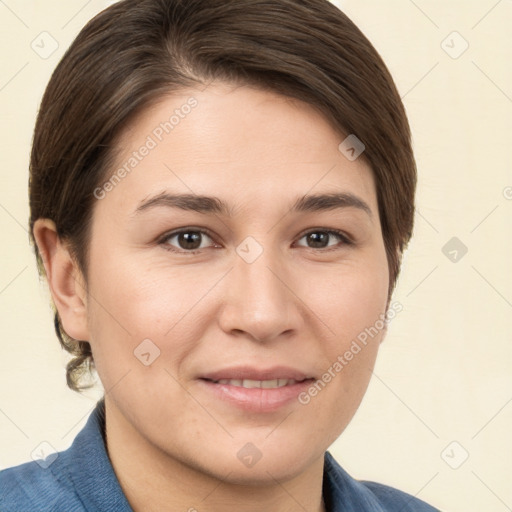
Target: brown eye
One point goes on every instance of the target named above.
(319, 239)
(189, 240)
(186, 241)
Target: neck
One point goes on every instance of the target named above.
(153, 480)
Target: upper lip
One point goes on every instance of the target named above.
(251, 373)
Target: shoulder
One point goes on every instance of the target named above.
(74, 480)
(392, 499)
(343, 492)
(38, 486)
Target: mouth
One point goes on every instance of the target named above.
(252, 374)
(262, 384)
(257, 391)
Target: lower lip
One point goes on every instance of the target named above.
(256, 399)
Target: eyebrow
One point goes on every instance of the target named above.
(214, 205)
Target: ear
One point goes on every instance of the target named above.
(65, 280)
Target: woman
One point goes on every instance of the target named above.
(220, 193)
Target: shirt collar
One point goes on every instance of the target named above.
(90, 468)
(342, 493)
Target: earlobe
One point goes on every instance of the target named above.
(65, 280)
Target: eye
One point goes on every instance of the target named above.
(319, 238)
(191, 240)
(188, 240)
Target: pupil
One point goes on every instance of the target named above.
(316, 237)
(189, 239)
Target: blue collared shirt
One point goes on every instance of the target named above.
(81, 479)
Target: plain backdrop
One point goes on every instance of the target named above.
(437, 416)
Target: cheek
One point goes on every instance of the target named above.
(128, 306)
(353, 308)
(350, 300)
(352, 304)
(135, 301)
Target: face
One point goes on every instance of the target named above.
(215, 324)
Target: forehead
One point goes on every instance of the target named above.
(245, 144)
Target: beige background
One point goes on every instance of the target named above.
(444, 372)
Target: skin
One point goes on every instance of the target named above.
(172, 445)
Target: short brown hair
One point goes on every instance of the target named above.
(134, 52)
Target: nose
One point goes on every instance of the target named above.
(259, 300)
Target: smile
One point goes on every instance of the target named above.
(265, 384)
(256, 396)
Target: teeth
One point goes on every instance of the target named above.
(266, 384)
(246, 383)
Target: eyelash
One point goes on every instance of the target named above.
(163, 241)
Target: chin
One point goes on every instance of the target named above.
(248, 463)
